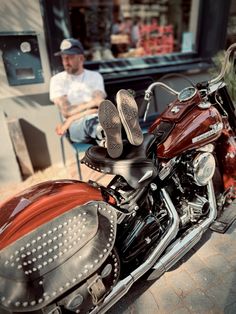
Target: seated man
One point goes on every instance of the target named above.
(78, 93)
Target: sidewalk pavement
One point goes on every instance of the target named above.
(204, 281)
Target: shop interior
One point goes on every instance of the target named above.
(135, 28)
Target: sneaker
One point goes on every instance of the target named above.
(100, 136)
(128, 111)
(110, 121)
(107, 54)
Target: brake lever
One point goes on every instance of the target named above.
(147, 97)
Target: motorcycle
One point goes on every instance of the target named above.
(74, 247)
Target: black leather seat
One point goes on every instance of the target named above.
(134, 165)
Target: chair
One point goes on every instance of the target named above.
(77, 147)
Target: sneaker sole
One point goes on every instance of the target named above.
(128, 111)
(111, 124)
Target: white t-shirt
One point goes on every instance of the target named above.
(77, 88)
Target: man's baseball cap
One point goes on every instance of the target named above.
(70, 46)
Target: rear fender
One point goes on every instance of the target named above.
(58, 257)
(40, 204)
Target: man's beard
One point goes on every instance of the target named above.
(71, 70)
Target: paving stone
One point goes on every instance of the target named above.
(161, 282)
(232, 260)
(136, 302)
(220, 296)
(225, 249)
(230, 309)
(218, 264)
(198, 302)
(193, 263)
(137, 299)
(229, 252)
(206, 250)
(166, 298)
(182, 283)
(182, 310)
(229, 281)
(232, 228)
(204, 278)
(146, 303)
(217, 237)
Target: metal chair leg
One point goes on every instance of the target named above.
(63, 151)
(78, 163)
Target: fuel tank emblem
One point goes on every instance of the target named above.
(215, 128)
(175, 109)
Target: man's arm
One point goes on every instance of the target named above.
(61, 128)
(94, 103)
(76, 112)
(57, 93)
(63, 105)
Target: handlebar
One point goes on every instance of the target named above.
(229, 51)
(148, 92)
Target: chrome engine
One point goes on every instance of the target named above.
(187, 177)
(202, 168)
(191, 211)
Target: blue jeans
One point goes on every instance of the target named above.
(84, 130)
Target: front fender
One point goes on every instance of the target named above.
(40, 204)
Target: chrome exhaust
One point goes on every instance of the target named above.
(199, 205)
(177, 250)
(124, 285)
(181, 246)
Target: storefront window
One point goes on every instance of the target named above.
(231, 29)
(134, 28)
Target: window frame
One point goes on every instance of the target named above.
(210, 38)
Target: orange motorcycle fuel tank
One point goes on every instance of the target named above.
(192, 124)
(40, 204)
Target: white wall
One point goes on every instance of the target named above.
(29, 103)
(19, 16)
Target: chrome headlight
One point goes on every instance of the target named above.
(203, 166)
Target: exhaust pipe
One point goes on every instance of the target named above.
(124, 285)
(181, 246)
(177, 250)
(199, 205)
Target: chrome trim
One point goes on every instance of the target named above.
(193, 90)
(148, 92)
(146, 176)
(173, 254)
(206, 148)
(167, 168)
(181, 246)
(203, 166)
(172, 232)
(124, 285)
